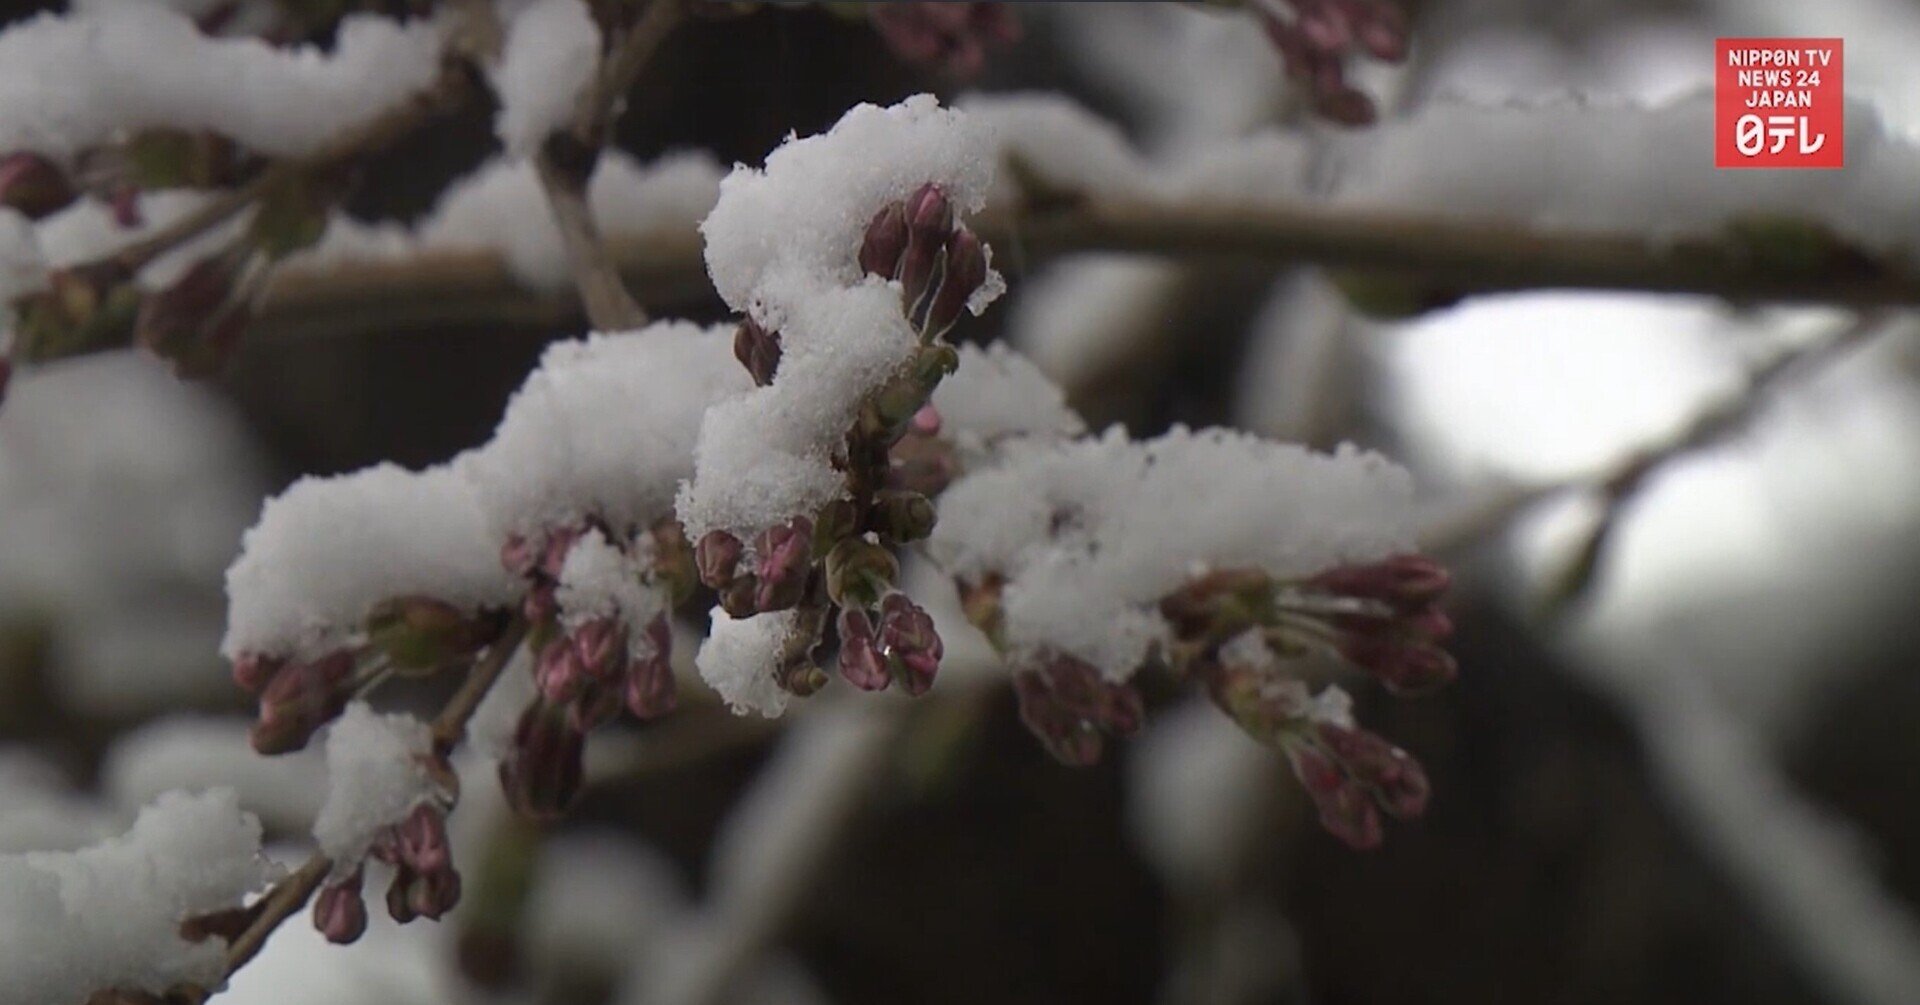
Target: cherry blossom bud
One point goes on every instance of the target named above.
(1397, 781)
(600, 645)
(980, 602)
(1405, 669)
(420, 840)
(252, 671)
(1347, 811)
(431, 895)
(558, 673)
(1407, 582)
(861, 662)
(926, 422)
(673, 562)
(540, 605)
(1071, 707)
(966, 273)
(34, 186)
(912, 646)
(922, 464)
(737, 599)
(860, 572)
(1070, 739)
(553, 554)
(717, 556)
(596, 706)
(758, 350)
(904, 517)
(300, 699)
(340, 911)
(929, 223)
(542, 771)
(650, 690)
(399, 897)
(885, 242)
(785, 558)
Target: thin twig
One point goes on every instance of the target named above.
(450, 726)
(285, 899)
(609, 306)
(600, 102)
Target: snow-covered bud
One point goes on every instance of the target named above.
(34, 186)
(860, 572)
(196, 322)
(923, 464)
(340, 910)
(300, 699)
(861, 662)
(542, 771)
(553, 554)
(758, 350)
(252, 671)
(424, 634)
(1408, 583)
(966, 272)
(540, 605)
(717, 556)
(910, 642)
(650, 689)
(885, 242)
(1347, 811)
(903, 517)
(520, 555)
(1070, 707)
(953, 37)
(785, 556)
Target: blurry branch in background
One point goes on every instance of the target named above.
(1433, 258)
(1616, 488)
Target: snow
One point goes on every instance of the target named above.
(38, 812)
(22, 269)
(552, 51)
(1091, 534)
(997, 393)
(600, 581)
(500, 208)
(782, 245)
(739, 657)
(1059, 141)
(376, 775)
(328, 549)
(191, 751)
(604, 427)
(108, 915)
(71, 82)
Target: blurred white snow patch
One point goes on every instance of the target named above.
(1077, 318)
(40, 810)
(195, 752)
(392, 964)
(551, 51)
(1299, 376)
(997, 393)
(601, 902)
(108, 915)
(122, 494)
(1198, 790)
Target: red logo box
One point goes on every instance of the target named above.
(1779, 103)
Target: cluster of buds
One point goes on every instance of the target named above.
(1073, 709)
(921, 461)
(297, 697)
(898, 643)
(586, 669)
(78, 310)
(938, 262)
(425, 883)
(1316, 37)
(955, 37)
(1392, 625)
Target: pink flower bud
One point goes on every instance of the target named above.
(595, 707)
(252, 671)
(1346, 809)
(1397, 781)
(1404, 668)
(650, 690)
(910, 642)
(718, 557)
(553, 554)
(542, 771)
(758, 350)
(340, 912)
(187, 323)
(420, 840)
(926, 422)
(1071, 707)
(600, 646)
(300, 699)
(885, 242)
(1407, 582)
(861, 661)
(785, 559)
(966, 272)
(558, 673)
(540, 605)
(929, 224)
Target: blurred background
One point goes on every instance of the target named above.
(1679, 765)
